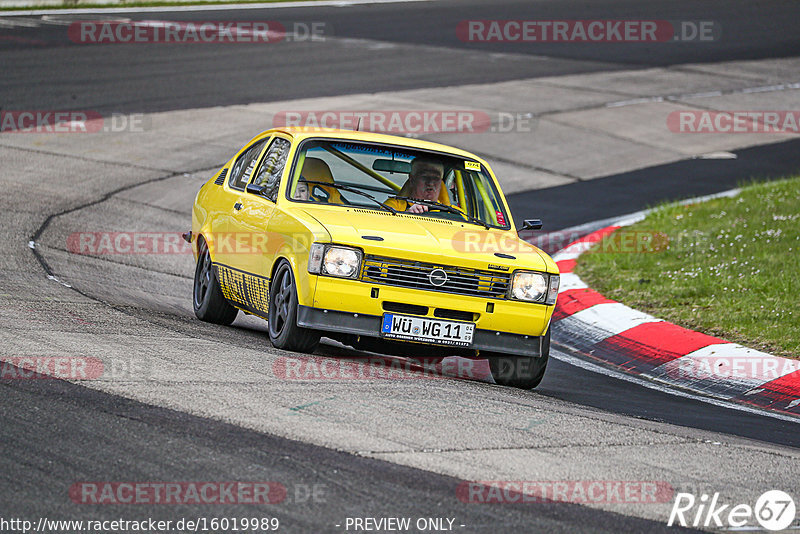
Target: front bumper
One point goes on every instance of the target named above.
(355, 296)
(370, 326)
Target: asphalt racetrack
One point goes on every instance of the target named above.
(208, 405)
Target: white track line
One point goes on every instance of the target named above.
(210, 7)
(19, 23)
(688, 96)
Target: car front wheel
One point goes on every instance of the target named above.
(282, 319)
(524, 372)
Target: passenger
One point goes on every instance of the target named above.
(301, 191)
(316, 170)
(424, 183)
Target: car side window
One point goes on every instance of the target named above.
(271, 169)
(243, 167)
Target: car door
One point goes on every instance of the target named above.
(223, 240)
(253, 251)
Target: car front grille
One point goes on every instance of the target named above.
(416, 275)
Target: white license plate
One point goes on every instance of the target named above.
(427, 330)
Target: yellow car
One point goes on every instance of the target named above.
(381, 242)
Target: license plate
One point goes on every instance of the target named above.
(427, 330)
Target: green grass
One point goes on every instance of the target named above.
(731, 267)
(79, 5)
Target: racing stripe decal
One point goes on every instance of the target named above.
(244, 289)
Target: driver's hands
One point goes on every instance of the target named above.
(418, 208)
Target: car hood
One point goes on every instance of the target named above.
(431, 240)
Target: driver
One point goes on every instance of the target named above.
(424, 183)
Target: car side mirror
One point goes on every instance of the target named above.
(255, 189)
(532, 224)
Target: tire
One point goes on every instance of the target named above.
(209, 303)
(282, 318)
(523, 372)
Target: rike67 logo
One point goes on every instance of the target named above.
(774, 510)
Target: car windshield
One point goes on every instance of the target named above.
(392, 178)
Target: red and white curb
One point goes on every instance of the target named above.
(637, 343)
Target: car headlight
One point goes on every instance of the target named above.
(532, 287)
(334, 260)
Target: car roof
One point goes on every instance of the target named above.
(301, 133)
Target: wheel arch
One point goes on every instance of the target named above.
(202, 236)
(305, 283)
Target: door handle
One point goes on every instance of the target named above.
(237, 206)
